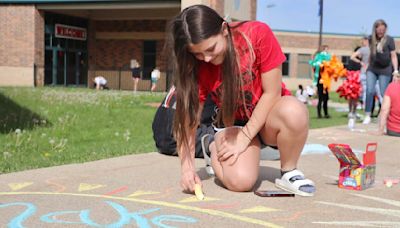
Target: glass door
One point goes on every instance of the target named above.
(48, 67)
(71, 68)
(61, 70)
(149, 57)
(82, 68)
(65, 57)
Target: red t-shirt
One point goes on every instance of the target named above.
(268, 55)
(393, 121)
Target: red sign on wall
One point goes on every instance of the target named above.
(70, 32)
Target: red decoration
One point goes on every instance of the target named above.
(351, 87)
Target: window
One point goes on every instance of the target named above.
(304, 70)
(285, 66)
(47, 39)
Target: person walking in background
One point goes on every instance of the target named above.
(351, 90)
(383, 64)
(361, 56)
(155, 75)
(232, 62)
(351, 87)
(135, 68)
(377, 99)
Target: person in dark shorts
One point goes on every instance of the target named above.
(135, 67)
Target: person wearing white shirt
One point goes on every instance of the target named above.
(100, 82)
(155, 75)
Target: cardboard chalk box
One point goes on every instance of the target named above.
(353, 174)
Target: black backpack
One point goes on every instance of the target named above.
(162, 125)
(163, 121)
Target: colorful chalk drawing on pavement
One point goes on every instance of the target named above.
(309, 148)
(20, 209)
(315, 149)
(381, 211)
(84, 216)
(123, 209)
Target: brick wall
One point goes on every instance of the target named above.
(106, 54)
(39, 48)
(91, 46)
(131, 26)
(21, 46)
(114, 54)
(17, 35)
(337, 43)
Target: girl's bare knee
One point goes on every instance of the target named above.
(294, 108)
(241, 182)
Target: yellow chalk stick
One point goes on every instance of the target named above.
(198, 192)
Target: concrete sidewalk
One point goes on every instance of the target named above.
(143, 191)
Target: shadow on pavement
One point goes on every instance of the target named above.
(266, 174)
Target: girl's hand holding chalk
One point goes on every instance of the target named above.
(198, 192)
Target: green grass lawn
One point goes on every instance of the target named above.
(51, 126)
(334, 97)
(337, 118)
(41, 127)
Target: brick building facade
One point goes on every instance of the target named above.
(300, 46)
(31, 53)
(118, 31)
(113, 45)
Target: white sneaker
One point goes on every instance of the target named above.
(351, 123)
(205, 143)
(367, 120)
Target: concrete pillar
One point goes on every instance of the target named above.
(293, 65)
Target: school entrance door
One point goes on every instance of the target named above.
(65, 67)
(65, 51)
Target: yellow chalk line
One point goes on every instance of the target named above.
(160, 203)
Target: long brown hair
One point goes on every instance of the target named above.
(374, 40)
(193, 25)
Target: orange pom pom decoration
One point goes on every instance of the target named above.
(331, 69)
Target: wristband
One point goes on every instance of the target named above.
(246, 135)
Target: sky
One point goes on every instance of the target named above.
(340, 16)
